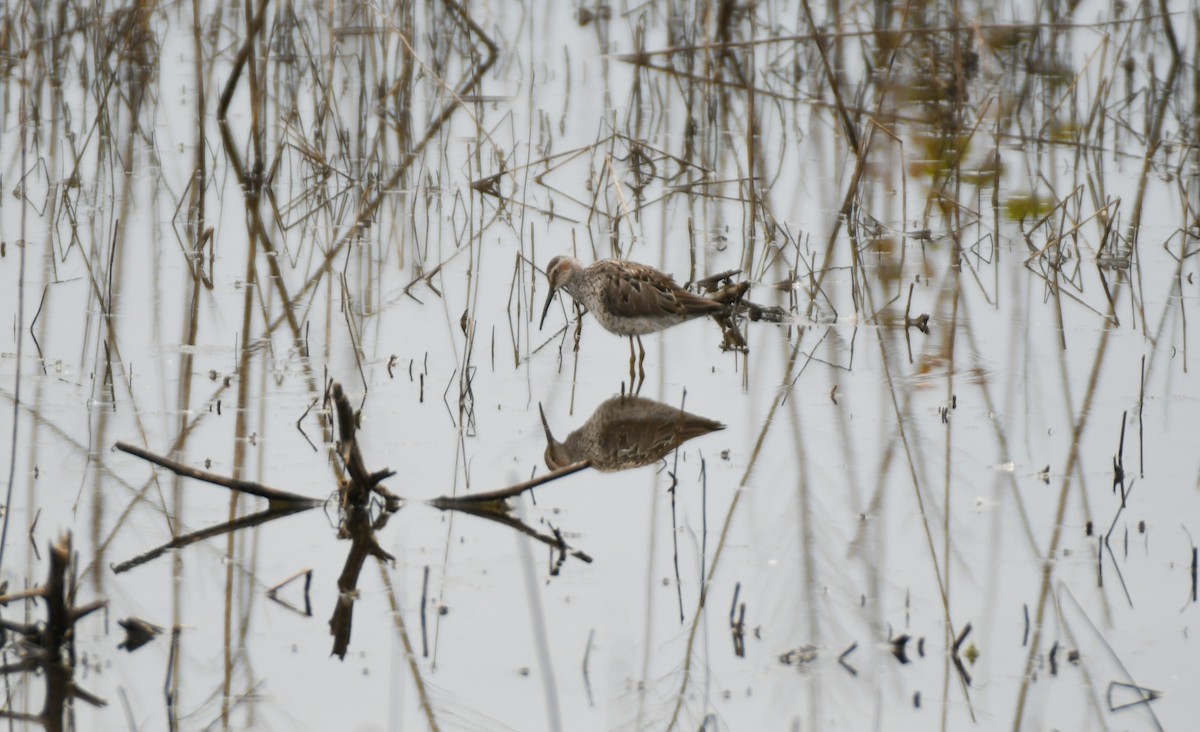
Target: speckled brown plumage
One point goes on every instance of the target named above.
(632, 299)
(627, 298)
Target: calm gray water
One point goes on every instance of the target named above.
(894, 529)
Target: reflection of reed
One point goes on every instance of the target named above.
(626, 432)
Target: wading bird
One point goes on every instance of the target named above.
(630, 299)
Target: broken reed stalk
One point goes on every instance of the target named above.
(368, 209)
(445, 502)
(277, 497)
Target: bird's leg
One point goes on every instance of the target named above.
(641, 362)
(578, 325)
(631, 362)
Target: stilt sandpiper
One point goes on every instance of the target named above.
(630, 299)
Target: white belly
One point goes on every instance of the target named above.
(636, 325)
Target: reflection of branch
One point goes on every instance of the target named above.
(253, 519)
(356, 522)
(53, 642)
(279, 499)
(273, 592)
(490, 505)
(492, 513)
(138, 633)
(463, 501)
(958, 664)
(361, 531)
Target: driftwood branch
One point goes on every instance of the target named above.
(274, 495)
(362, 482)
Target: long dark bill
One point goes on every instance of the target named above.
(549, 299)
(545, 425)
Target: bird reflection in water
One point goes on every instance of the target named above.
(626, 432)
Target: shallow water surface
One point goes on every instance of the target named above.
(952, 483)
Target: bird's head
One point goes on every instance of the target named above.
(559, 272)
(557, 456)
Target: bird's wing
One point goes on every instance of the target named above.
(641, 291)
